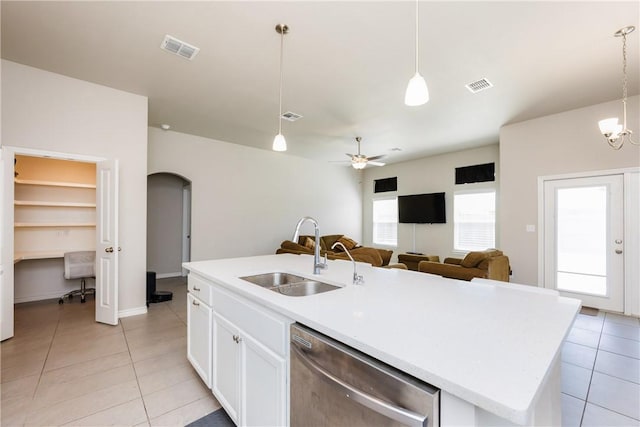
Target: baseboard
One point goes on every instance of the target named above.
(40, 297)
(132, 311)
(168, 275)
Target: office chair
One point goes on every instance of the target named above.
(79, 265)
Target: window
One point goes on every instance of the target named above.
(474, 219)
(385, 222)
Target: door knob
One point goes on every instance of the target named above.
(618, 251)
(109, 249)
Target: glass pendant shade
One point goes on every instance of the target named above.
(279, 143)
(417, 92)
(609, 126)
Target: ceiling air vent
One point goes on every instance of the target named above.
(292, 117)
(478, 85)
(178, 47)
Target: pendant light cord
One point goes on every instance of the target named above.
(280, 98)
(417, 26)
(624, 80)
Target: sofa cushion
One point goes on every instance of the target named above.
(347, 242)
(309, 243)
(473, 259)
(292, 246)
(328, 240)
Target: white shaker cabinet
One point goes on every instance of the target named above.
(248, 378)
(248, 358)
(225, 383)
(199, 327)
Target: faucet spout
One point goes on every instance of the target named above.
(317, 264)
(357, 280)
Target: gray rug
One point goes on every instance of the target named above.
(217, 418)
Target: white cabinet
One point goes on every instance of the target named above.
(264, 385)
(249, 380)
(199, 332)
(240, 350)
(226, 366)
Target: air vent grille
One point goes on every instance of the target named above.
(178, 47)
(479, 85)
(292, 117)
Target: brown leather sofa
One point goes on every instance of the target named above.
(489, 264)
(373, 256)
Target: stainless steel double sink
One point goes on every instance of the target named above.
(289, 284)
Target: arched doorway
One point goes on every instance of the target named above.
(168, 224)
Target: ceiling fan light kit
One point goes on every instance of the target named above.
(360, 161)
(279, 143)
(617, 134)
(417, 92)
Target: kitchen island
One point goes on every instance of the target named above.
(494, 351)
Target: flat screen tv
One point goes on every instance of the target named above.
(422, 209)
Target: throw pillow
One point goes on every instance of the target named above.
(472, 259)
(347, 242)
(309, 243)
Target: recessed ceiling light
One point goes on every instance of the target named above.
(396, 149)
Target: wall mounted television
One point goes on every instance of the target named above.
(422, 209)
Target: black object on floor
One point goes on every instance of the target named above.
(151, 285)
(161, 296)
(217, 418)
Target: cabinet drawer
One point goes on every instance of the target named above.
(265, 326)
(200, 289)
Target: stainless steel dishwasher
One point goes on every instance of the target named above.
(335, 385)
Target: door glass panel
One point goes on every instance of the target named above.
(582, 240)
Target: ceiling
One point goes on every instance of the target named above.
(346, 65)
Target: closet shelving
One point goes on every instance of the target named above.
(53, 217)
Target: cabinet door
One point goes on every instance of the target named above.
(199, 348)
(226, 372)
(264, 385)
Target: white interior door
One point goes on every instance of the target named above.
(107, 249)
(583, 235)
(6, 241)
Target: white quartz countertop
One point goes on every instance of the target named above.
(492, 346)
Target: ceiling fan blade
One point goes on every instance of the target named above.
(376, 163)
(376, 157)
(350, 155)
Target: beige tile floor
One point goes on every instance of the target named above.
(62, 368)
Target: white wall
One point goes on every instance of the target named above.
(427, 175)
(246, 201)
(47, 111)
(164, 224)
(562, 143)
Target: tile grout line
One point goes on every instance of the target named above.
(135, 372)
(593, 368)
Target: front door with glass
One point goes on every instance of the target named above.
(583, 239)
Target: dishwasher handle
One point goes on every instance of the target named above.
(401, 415)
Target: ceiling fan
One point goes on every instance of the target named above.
(360, 161)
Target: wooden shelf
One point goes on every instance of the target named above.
(54, 183)
(54, 204)
(53, 224)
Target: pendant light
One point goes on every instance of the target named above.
(616, 134)
(417, 92)
(279, 143)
